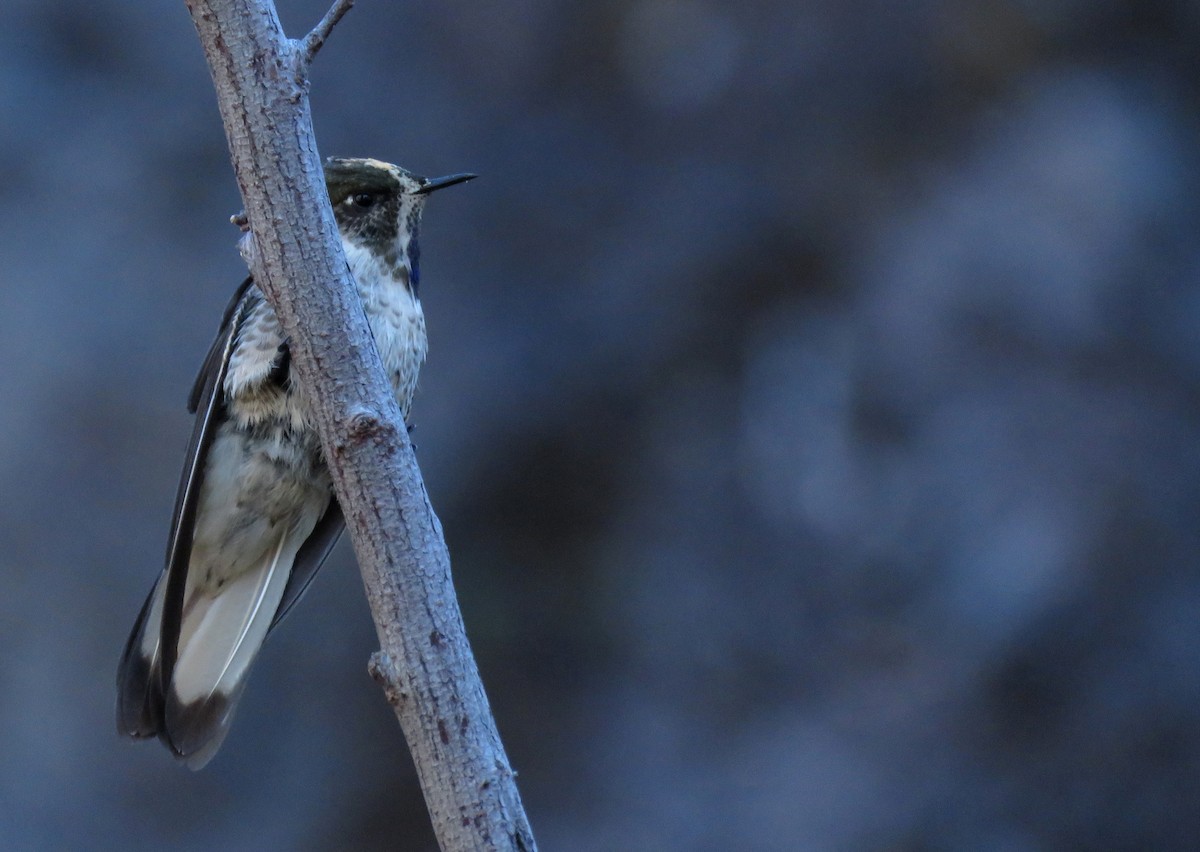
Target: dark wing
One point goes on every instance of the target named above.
(208, 405)
(217, 357)
(145, 668)
(140, 705)
(308, 560)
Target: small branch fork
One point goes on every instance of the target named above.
(425, 662)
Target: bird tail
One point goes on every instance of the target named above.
(220, 635)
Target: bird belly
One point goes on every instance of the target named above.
(259, 483)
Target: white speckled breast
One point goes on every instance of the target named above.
(396, 319)
(397, 323)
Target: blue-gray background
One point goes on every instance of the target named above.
(813, 408)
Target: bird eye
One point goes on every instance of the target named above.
(363, 200)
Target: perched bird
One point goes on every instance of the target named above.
(255, 514)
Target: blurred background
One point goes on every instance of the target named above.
(813, 410)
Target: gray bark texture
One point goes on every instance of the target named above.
(425, 665)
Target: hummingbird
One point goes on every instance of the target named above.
(255, 514)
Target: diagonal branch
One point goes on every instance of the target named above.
(315, 40)
(425, 662)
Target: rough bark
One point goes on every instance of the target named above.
(425, 665)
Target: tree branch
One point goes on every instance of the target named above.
(425, 665)
(315, 40)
